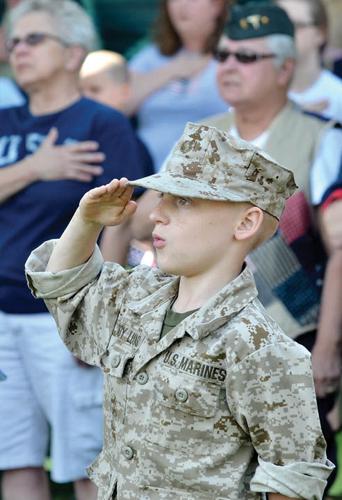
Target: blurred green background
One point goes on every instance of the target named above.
(121, 23)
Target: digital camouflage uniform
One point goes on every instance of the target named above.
(223, 405)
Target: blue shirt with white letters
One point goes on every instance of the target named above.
(43, 209)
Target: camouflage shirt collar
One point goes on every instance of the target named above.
(223, 306)
(229, 301)
(162, 295)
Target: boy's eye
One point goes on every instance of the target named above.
(183, 202)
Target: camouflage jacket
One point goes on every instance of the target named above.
(222, 407)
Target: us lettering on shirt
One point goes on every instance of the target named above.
(10, 146)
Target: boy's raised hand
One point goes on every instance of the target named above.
(108, 205)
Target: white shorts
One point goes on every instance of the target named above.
(46, 388)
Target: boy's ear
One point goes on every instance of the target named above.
(249, 223)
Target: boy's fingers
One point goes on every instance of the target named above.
(115, 187)
(130, 208)
(117, 183)
(112, 187)
(97, 192)
(124, 191)
(127, 193)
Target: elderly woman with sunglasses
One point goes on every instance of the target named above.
(52, 150)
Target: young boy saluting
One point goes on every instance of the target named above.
(205, 397)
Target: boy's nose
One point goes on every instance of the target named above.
(158, 214)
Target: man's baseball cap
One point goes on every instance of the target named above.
(209, 164)
(256, 20)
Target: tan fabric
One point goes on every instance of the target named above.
(334, 11)
(186, 415)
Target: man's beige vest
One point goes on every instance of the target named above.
(293, 141)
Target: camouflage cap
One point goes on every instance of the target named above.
(209, 164)
(258, 19)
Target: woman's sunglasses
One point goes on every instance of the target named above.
(221, 55)
(32, 39)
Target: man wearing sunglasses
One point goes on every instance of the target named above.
(257, 57)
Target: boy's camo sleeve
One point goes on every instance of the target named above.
(84, 301)
(271, 395)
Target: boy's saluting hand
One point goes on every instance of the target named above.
(108, 205)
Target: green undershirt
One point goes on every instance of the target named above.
(172, 319)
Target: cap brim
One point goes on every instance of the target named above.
(187, 187)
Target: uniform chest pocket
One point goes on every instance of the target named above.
(192, 397)
(183, 414)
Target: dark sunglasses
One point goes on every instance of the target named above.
(221, 55)
(32, 39)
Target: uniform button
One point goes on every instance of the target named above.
(181, 395)
(142, 378)
(116, 360)
(128, 452)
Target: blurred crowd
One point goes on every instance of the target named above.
(74, 115)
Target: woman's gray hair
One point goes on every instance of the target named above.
(74, 26)
(283, 46)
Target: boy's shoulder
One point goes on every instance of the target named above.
(235, 324)
(145, 281)
(253, 333)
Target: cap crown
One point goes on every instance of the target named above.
(210, 164)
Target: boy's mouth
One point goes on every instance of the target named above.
(157, 241)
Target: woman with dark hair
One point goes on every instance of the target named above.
(174, 78)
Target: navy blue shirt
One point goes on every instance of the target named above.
(42, 210)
